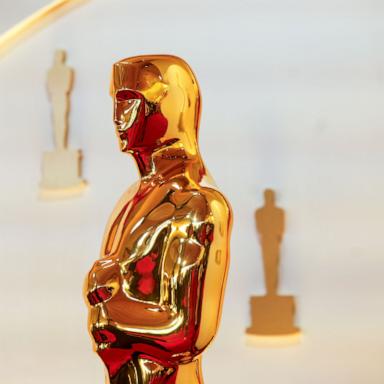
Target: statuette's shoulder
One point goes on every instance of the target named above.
(213, 212)
(218, 205)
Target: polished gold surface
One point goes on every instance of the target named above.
(155, 295)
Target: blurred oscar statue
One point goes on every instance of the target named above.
(61, 167)
(272, 314)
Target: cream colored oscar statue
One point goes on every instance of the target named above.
(272, 314)
(61, 167)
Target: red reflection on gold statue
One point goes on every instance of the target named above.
(155, 295)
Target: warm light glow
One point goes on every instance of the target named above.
(28, 25)
(273, 341)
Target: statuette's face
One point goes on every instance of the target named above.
(129, 117)
(139, 121)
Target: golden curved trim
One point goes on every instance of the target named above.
(46, 14)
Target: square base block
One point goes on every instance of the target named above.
(272, 315)
(61, 174)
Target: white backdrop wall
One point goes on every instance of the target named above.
(293, 97)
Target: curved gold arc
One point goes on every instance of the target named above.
(35, 21)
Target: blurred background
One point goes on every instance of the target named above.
(293, 99)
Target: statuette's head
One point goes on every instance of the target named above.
(60, 56)
(269, 196)
(156, 103)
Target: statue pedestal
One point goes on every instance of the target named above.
(61, 174)
(272, 316)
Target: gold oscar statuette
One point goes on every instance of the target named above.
(272, 314)
(156, 292)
